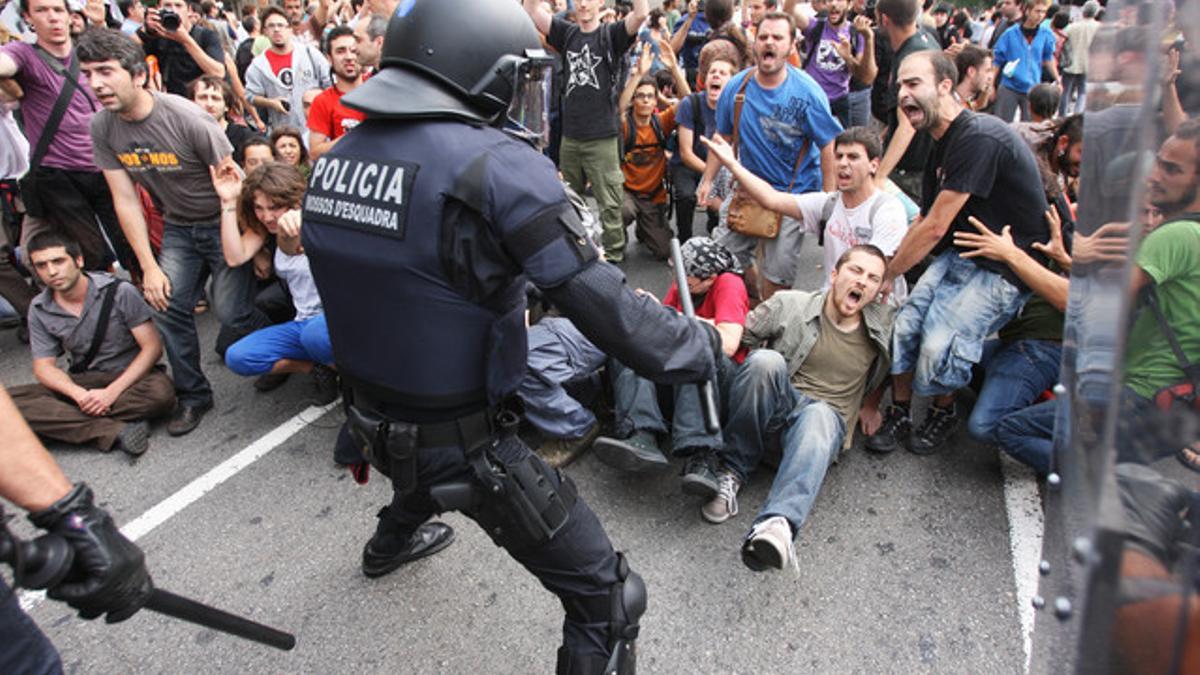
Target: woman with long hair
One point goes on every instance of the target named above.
(264, 204)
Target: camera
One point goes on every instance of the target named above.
(169, 20)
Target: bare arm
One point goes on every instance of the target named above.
(8, 67)
(689, 158)
(633, 20)
(864, 68)
(50, 376)
(680, 36)
(208, 64)
(319, 144)
(925, 233)
(1000, 247)
(151, 346)
(541, 18)
(30, 479)
(682, 88)
(759, 189)
(155, 285)
(237, 247)
(635, 75)
(731, 337)
(895, 150)
(1172, 109)
(828, 168)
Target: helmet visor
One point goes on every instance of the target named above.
(529, 112)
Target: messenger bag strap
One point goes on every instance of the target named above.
(738, 100)
(106, 305)
(70, 84)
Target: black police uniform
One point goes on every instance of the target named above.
(421, 235)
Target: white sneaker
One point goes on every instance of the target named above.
(769, 545)
(724, 506)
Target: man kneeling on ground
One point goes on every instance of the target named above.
(826, 350)
(103, 324)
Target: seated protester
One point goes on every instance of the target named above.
(719, 295)
(114, 383)
(644, 162)
(267, 203)
(559, 354)
(288, 143)
(1167, 269)
(256, 152)
(696, 117)
(815, 355)
(857, 213)
(216, 97)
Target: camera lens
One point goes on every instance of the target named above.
(170, 20)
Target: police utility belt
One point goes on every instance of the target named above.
(518, 503)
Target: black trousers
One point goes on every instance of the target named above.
(578, 564)
(79, 204)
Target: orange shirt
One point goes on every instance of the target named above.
(645, 166)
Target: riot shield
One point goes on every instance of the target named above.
(1119, 562)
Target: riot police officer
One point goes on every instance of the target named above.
(421, 227)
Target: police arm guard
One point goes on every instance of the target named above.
(657, 342)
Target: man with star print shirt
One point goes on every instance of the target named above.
(592, 54)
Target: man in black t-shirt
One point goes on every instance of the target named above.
(590, 152)
(978, 167)
(184, 53)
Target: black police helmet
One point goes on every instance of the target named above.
(447, 58)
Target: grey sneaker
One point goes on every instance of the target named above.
(639, 452)
(724, 506)
(134, 439)
(559, 452)
(769, 545)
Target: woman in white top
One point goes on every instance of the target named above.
(266, 203)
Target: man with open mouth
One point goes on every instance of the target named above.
(978, 167)
(784, 135)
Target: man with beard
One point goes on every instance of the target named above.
(907, 151)
(816, 354)
(974, 87)
(328, 119)
(784, 135)
(838, 49)
(978, 167)
(277, 79)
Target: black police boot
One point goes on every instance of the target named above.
(388, 549)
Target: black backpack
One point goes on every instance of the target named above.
(629, 142)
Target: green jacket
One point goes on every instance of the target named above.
(789, 323)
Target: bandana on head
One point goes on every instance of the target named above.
(704, 258)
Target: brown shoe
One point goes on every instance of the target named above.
(559, 452)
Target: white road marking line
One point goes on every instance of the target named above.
(1025, 528)
(193, 491)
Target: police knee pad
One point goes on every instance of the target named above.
(626, 604)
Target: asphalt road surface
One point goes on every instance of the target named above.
(905, 564)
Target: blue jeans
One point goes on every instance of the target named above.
(24, 648)
(186, 252)
(1072, 85)
(763, 406)
(860, 107)
(1015, 374)
(635, 403)
(558, 353)
(1028, 435)
(306, 340)
(940, 330)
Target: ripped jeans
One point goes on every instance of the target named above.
(940, 330)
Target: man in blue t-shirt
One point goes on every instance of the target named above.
(1019, 56)
(785, 114)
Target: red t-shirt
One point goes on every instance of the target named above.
(726, 302)
(328, 116)
(279, 64)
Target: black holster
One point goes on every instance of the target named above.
(390, 446)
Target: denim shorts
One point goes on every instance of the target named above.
(940, 330)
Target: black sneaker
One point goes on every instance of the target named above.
(186, 418)
(134, 439)
(639, 452)
(939, 425)
(271, 381)
(893, 434)
(699, 477)
(325, 379)
(386, 551)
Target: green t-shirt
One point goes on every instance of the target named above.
(1170, 255)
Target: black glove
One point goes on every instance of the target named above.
(1154, 510)
(108, 575)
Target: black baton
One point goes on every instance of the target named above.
(708, 403)
(166, 602)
